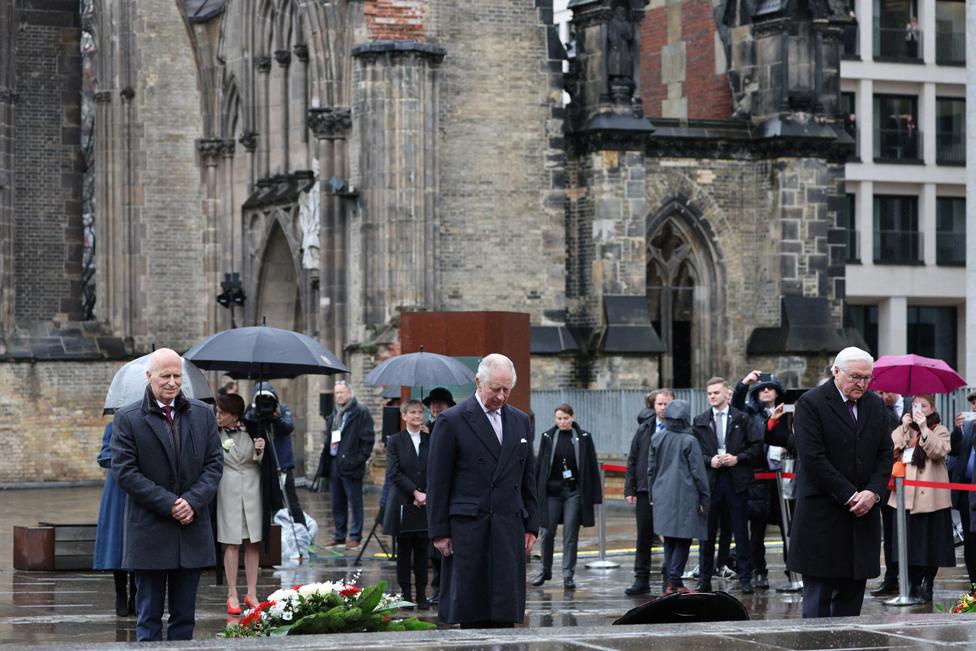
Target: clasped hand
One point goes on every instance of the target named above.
(182, 512)
(861, 503)
(722, 460)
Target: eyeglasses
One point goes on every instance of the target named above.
(857, 379)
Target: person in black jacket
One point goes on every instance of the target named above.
(732, 450)
(650, 420)
(757, 396)
(405, 515)
(349, 442)
(568, 478)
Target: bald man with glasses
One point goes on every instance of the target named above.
(844, 456)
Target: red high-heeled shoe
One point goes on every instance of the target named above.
(248, 604)
(231, 610)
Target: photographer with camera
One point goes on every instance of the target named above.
(266, 412)
(349, 437)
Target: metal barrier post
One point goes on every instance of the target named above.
(793, 583)
(603, 563)
(901, 522)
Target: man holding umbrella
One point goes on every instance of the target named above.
(166, 456)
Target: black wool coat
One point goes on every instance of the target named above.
(835, 459)
(482, 495)
(355, 446)
(741, 440)
(588, 482)
(408, 472)
(147, 467)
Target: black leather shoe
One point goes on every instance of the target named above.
(762, 583)
(746, 587)
(423, 603)
(434, 600)
(885, 589)
(641, 586)
(704, 586)
(541, 578)
(925, 590)
(568, 583)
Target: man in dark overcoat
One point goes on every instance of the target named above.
(843, 463)
(731, 449)
(166, 456)
(481, 504)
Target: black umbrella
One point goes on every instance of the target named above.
(264, 352)
(420, 369)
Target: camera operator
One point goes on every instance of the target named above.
(265, 411)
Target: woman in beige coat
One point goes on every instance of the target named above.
(239, 510)
(922, 442)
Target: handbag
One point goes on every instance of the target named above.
(413, 519)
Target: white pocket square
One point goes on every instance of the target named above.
(523, 441)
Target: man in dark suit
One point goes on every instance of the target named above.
(166, 456)
(731, 450)
(481, 503)
(843, 463)
(963, 452)
(349, 436)
(635, 486)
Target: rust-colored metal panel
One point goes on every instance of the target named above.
(473, 334)
(34, 548)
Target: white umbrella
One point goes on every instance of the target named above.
(129, 384)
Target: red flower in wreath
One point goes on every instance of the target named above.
(255, 614)
(350, 591)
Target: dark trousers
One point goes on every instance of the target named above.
(724, 497)
(757, 530)
(435, 561)
(645, 533)
(675, 558)
(724, 556)
(412, 553)
(888, 516)
(832, 597)
(294, 506)
(968, 542)
(565, 506)
(151, 589)
(346, 495)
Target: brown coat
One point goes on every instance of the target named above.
(936, 446)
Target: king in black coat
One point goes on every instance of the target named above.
(482, 496)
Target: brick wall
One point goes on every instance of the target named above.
(682, 65)
(47, 230)
(396, 20)
(50, 420)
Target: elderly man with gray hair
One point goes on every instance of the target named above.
(481, 505)
(843, 464)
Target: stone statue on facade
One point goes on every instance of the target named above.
(621, 35)
(308, 218)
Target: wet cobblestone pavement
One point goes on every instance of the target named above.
(77, 608)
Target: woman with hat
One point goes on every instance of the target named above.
(437, 402)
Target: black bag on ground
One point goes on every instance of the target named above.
(680, 608)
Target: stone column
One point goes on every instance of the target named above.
(331, 126)
(210, 153)
(396, 118)
(893, 326)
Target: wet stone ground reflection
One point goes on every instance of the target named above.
(66, 607)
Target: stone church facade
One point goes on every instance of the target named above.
(354, 159)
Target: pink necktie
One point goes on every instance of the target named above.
(496, 424)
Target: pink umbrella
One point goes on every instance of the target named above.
(911, 375)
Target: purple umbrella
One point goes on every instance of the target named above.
(911, 375)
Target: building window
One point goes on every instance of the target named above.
(950, 131)
(950, 231)
(950, 32)
(863, 319)
(848, 111)
(850, 40)
(897, 34)
(896, 135)
(896, 236)
(850, 219)
(932, 332)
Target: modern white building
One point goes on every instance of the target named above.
(904, 88)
